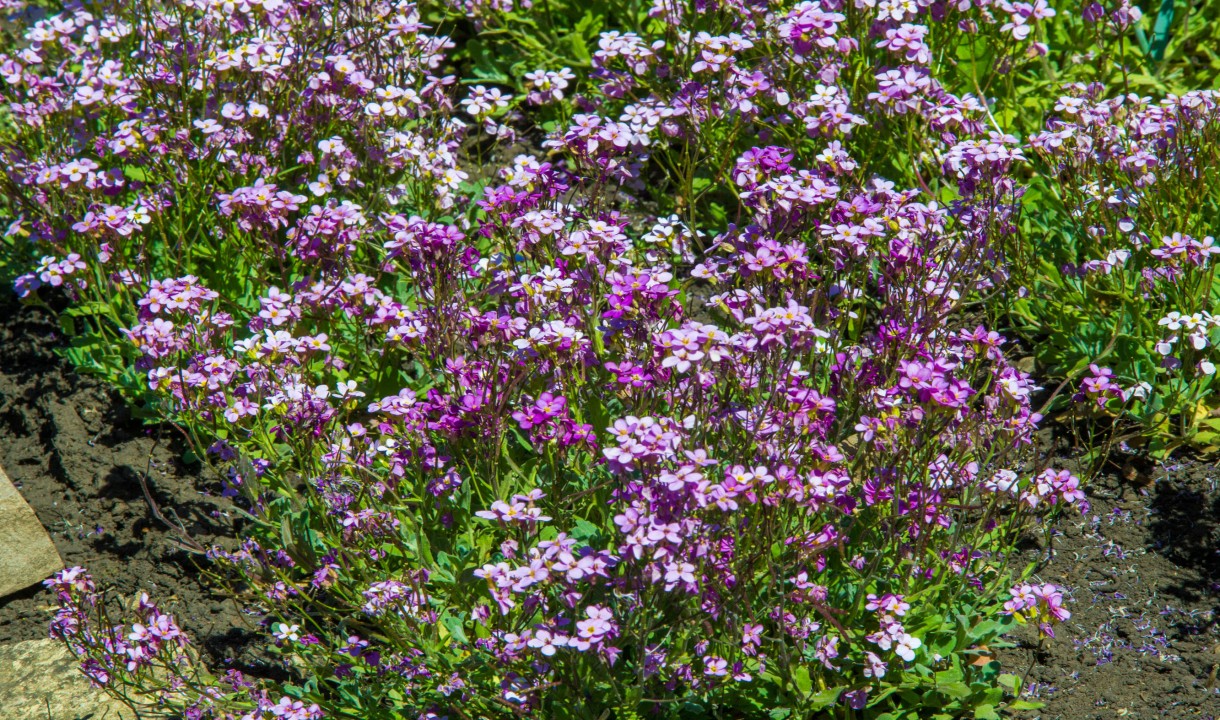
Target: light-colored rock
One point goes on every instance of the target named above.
(27, 555)
(41, 680)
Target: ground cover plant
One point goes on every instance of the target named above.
(619, 359)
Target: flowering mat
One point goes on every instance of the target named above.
(1142, 642)
(612, 360)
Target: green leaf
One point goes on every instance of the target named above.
(950, 675)
(584, 531)
(136, 173)
(286, 533)
(1160, 30)
(86, 309)
(990, 671)
(442, 571)
(992, 696)
(804, 683)
(456, 628)
(955, 690)
(825, 699)
(425, 549)
(578, 47)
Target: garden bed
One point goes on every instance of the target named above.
(679, 360)
(1142, 565)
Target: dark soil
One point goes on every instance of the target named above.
(1143, 569)
(77, 456)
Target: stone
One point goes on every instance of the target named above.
(41, 680)
(27, 555)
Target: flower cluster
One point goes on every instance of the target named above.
(662, 383)
(1119, 163)
(1042, 604)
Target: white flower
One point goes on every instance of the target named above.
(547, 642)
(287, 632)
(208, 126)
(1004, 481)
(347, 389)
(331, 146)
(321, 186)
(906, 646)
(343, 64)
(482, 101)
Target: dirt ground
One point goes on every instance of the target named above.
(1143, 565)
(1143, 570)
(77, 455)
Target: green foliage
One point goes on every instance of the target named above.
(1090, 296)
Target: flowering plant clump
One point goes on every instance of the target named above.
(650, 379)
(1137, 279)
